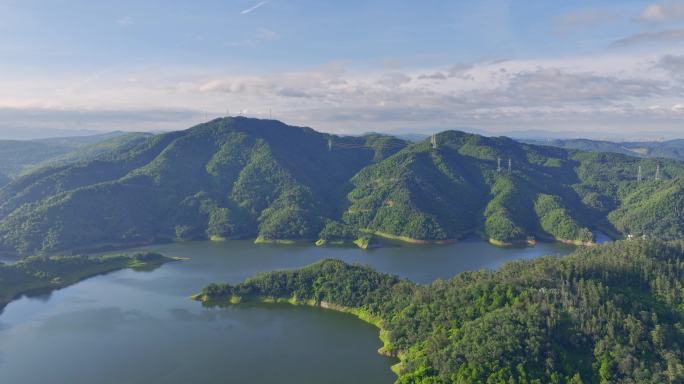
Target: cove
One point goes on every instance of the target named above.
(141, 327)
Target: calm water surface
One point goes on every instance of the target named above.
(140, 327)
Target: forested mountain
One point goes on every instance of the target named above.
(465, 184)
(672, 149)
(228, 178)
(240, 177)
(18, 156)
(4, 179)
(607, 314)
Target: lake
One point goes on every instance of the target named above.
(141, 327)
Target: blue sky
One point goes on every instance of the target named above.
(346, 66)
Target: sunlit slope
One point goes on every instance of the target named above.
(464, 185)
(240, 177)
(232, 177)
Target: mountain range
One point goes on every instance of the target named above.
(19, 156)
(239, 177)
(673, 149)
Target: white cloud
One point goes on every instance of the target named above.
(586, 17)
(672, 64)
(126, 20)
(253, 8)
(616, 90)
(662, 12)
(658, 37)
(262, 35)
(432, 76)
(266, 34)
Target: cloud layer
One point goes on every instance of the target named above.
(609, 91)
(662, 12)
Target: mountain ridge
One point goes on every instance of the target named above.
(240, 178)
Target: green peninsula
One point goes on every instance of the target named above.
(606, 314)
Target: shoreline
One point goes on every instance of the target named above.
(361, 243)
(45, 287)
(384, 350)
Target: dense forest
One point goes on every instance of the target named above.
(606, 314)
(20, 156)
(249, 178)
(40, 274)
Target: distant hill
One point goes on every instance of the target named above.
(240, 177)
(24, 133)
(17, 156)
(672, 149)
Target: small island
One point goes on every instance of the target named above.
(40, 274)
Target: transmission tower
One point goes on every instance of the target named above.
(510, 165)
(657, 175)
(270, 117)
(329, 144)
(639, 174)
(498, 165)
(433, 141)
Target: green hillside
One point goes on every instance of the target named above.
(20, 156)
(229, 178)
(464, 186)
(606, 314)
(242, 178)
(4, 179)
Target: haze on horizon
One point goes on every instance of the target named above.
(593, 68)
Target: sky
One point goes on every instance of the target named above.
(583, 68)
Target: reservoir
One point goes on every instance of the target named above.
(140, 327)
